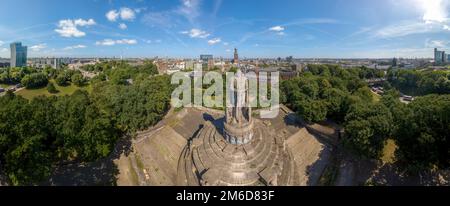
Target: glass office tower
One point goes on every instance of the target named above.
(18, 55)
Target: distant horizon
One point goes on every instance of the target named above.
(188, 28)
(225, 58)
(217, 57)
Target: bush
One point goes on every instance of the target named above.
(78, 80)
(51, 88)
(62, 80)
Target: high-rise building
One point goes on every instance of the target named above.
(43, 62)
(439, 56)
(236, 56)
(289, 59)
(206, 57)
(394, 62)
(210, 64)
(18, 55)
(207, 60)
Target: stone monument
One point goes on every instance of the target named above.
(242, 152)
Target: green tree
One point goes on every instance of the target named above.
(35, 80)
(51, 88)
(368, 126)
(422, 133)
(78, 79)
(24, 139)
(62, 80)
(36, 135)
(360, 138)
(311, 110)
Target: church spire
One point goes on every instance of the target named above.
(236, 56)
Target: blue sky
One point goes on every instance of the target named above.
(258, 28)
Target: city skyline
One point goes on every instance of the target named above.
(187, 28)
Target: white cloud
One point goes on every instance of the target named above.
(153, 41)
(1, 43)
(434, 10)
(434, 18)
(69, 28)
(228, 50)
(429, 10)
(394, 52)
(106, 42)
(277, 28)
(161, 19)
(75, 47)
(124, 13)
(127, 14)
(82, 22)
(110, 42)
(126, 41)
(214, 41)
(196, 33)
(123, 26)
(226, 43)
(38, 47)
(4, 50)
(139, 10)
(112, 15)
(405, 29)
(436, 43)
(190, 9)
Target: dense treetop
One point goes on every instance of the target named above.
(420, 129)
(35, 135)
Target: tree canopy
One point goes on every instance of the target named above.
(35, 135)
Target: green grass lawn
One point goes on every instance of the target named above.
(5, 86)
(32, 93)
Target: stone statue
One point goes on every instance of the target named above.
(247, 153)
(239, 124)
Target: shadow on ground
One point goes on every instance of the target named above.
(326, 156)
(370, 172)
(99, 173)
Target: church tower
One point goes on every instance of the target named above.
(236, 56)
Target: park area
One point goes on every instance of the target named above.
(67, 90)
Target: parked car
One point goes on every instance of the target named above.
(2, 90)
(408, 98)
(12, 89)
(18, 86)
